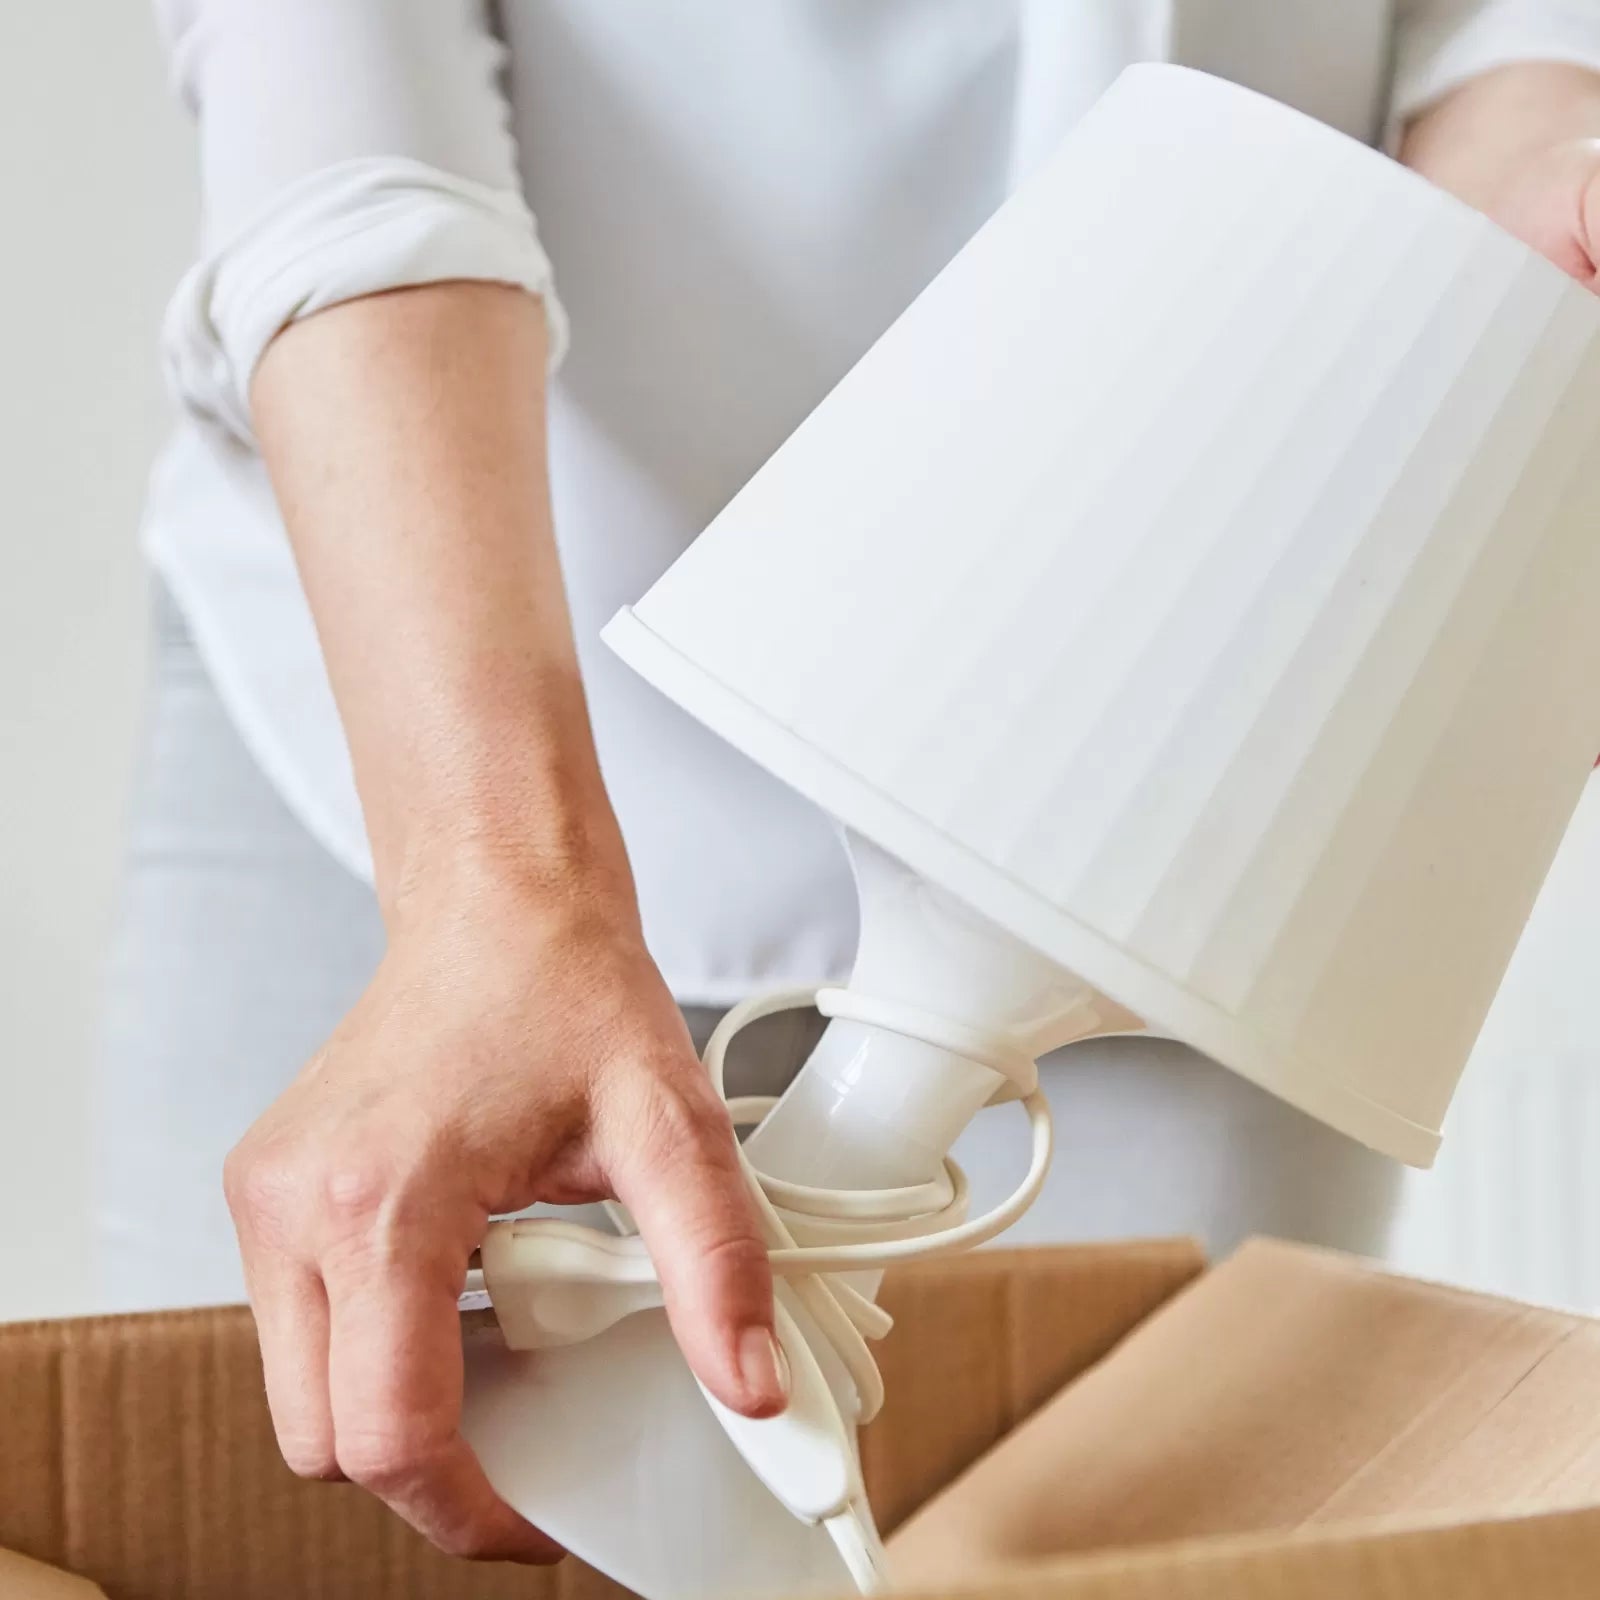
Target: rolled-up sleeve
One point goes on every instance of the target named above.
(346, 147)
(1440, 44)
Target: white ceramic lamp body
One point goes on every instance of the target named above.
(608, 1444)
(1194, 590)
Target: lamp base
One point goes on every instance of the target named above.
(608, 1444)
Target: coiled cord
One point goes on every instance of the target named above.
(885, 1226)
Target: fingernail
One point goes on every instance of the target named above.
(763, 1365)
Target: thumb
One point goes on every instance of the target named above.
(1555, 208)
(684, 1185)
(1589, 219)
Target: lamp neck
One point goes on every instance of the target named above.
(873, 1109)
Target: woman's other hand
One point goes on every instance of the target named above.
(1522, 145)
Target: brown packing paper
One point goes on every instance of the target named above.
(137, 1450)
(1287, 1390)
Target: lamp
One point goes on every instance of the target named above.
(1188, 608)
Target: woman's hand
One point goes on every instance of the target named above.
(1553, 203)
(1522, 144)
(509, 1050)
(517, 1042)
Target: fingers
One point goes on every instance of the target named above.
(681, 1179)
(394, 1384)
(1589, 224)
(291, 1313)
(361, 1351)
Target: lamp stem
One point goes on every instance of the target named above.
(872, 1109)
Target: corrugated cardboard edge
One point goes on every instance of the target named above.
(138, 1452)
(1548, 1556)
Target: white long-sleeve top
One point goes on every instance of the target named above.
(738, 198)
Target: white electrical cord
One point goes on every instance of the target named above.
(889, 1225)
(856, 1539)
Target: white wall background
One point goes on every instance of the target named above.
(97, 222)
(99, 208)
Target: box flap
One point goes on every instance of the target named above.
(1286, 1389)
(1549, 1557)
(981, 1341)
(139, 1450)
(22, 1579)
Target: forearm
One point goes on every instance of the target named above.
(405, 436)
(1478, 139)
(516, 1043)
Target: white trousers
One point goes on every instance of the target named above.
(241, 943)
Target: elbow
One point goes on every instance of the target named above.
(357, 228)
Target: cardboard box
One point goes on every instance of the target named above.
(1347, 1432)
(1288, 1424)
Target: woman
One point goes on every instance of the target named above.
(356, 543)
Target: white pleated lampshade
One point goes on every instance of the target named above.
(1202, 580)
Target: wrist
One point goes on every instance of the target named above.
(462, 866)
(491, 786)
(540, 851)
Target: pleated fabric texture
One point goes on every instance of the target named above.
(1201, 578)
